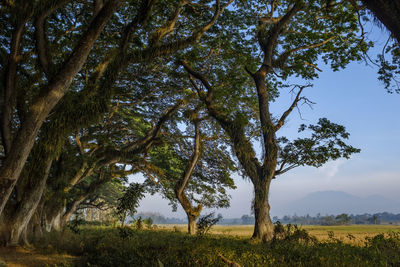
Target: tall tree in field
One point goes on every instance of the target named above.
(195, 171)
(291, 37)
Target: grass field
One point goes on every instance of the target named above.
(169, 244)
(353, 234)
(116, 246)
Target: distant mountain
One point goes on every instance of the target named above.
(337, 202)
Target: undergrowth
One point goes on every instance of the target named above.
(291, 246)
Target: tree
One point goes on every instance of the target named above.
(291, 36)
(141, 34)
(195, 174)
(342, 219)
(18, 141)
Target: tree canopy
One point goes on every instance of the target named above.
(179, 91)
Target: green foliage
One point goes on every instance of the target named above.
(125, 232)
(105, 247)
(326, 143)
(129, 202)
(389, 66)
(148, 222)
(74, 225)
(205, 223)
(212, 175)
(291, 233)
(138, 223)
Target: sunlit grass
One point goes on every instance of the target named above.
(110, 246)
(352, 234)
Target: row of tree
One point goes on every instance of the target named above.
(377, 218)
(180, 91)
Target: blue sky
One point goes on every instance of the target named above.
(354, 98)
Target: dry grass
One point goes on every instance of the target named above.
(353, 234)
(20, 257)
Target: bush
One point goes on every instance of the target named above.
(148, 222)
(138, 223)
(291, 233)
(205, 223)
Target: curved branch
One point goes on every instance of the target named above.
(9, 96)
(285, 55)
(281, 121)
(242, 146)
(41, 41)
(269, 45)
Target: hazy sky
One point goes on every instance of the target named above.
(354, 98)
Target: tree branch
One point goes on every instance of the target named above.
(167, 49)
(155, 131)
(41, 41)
(187, 174)
(281, 121)
(273, 34)
(285, 55)
(9, 97)
(282, 171)
(242, 146)
(168, 27)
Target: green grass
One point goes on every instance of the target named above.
(106, 246)
(358, 233)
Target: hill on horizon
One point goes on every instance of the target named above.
(336, 202)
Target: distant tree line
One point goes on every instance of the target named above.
(341, 219)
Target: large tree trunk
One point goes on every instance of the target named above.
(56, 223)
(263, 227)
(192, 213)
(25, 209)
(260, 174)
(49, 97)
(192, 226)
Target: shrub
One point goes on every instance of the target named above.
(148, 222)
(205, 223)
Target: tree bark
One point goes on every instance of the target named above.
(192, 212)
(192, 226)
(263, 227)
(72, 208)
(48, 98)
(388, 12)
(25, 209)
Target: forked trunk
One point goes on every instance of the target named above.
(17, 233)
(192, 212)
